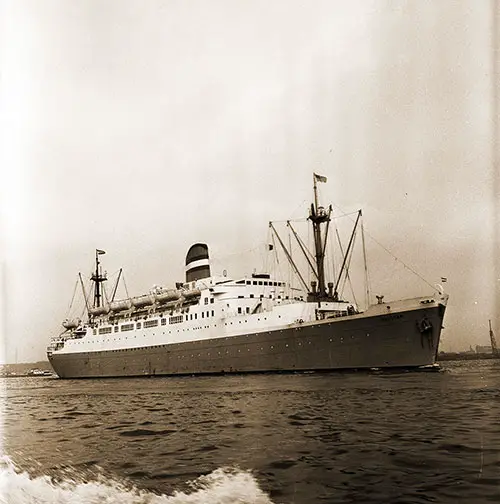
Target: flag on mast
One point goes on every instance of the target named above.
(99, 251)
(319, 178)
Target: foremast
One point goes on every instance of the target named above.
(98, 278)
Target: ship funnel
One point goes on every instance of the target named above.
(197, 265)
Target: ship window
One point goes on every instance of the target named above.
(251, 295)
(248, 282)
(265, 283)
(116, 328)
(127, 327)
(248, 309)
(163, 321)
(176, 319)
(138, 326)
(94, 331)
(260, 282)
(187, 317)
(212, 300)
(151, 323)
(241, 297)
(212, 313)
(195, 316)
(202, 314)
(105, 330)
(206, 300)
(239, 309)
(254, 282)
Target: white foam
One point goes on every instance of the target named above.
(222, 486)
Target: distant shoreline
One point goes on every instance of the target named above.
(448, 356)
(36, 369)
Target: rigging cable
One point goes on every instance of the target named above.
(394, 257)
(278, 270)
(348, 277)
(105, 294)
(72, 297)
(87, 298)
(367, 279)
(125, 285)
(403, 263)
(347, 264)
(287, 254)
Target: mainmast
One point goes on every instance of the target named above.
(318, 216)
(97, 277)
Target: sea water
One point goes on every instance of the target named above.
(405, 437)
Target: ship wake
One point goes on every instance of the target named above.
(222, 486)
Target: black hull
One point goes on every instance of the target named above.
(389, 340)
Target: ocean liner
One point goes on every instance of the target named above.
(212, 324)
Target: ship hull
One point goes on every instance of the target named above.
(379, 339)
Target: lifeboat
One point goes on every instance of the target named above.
(141, 301)
(191, 293)
(70, 324)
(166, 296)
(123, 304)
(99, 310)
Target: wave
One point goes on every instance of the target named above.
(222, 486)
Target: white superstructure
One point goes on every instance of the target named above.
(215, 307)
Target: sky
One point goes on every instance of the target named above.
(141, 128)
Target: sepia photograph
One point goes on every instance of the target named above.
(249, 251)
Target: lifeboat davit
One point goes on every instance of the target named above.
(166, 296)
(141, 301)
(123, 304)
